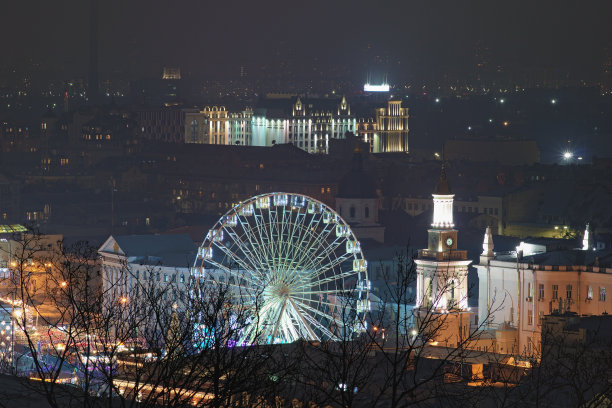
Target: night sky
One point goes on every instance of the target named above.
(415, 38)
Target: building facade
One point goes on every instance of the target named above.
(306, 123)
(388, 132)
(134, 266)
(518, 289)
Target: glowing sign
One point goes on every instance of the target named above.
(376, 88)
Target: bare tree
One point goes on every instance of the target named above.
(153, 347)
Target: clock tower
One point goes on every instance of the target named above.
(442, 268)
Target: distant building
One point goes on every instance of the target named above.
(308, 123)
(388, 131)
(173, 125)
(171, 73)
(358, 203)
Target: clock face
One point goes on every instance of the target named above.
(449, 241)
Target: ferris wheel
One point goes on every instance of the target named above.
(293, 263)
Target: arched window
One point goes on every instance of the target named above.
(352, 212)
(367, 212)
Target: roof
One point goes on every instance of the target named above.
(357, 183)
(159, 249)
(570, 257)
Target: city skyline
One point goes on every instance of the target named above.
(408, 41)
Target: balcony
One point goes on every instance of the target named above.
(458, 255)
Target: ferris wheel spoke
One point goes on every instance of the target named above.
(256, 238)
(303, 320)
(314, 321)
(325, 252)
(282, 260)
(254, 258)
(313, 277)
(323, 248)
(240, 261)
(333, 278)
(310, 251)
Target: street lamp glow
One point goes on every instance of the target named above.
(437, 100)
(123, 300)
(568, 155)
(64, 284)
(502, 100)
(553, 101)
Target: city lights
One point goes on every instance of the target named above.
(376, 88)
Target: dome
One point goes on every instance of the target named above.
(357, 183)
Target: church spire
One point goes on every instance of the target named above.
(443, 202)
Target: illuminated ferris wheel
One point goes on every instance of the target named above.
(293, 263)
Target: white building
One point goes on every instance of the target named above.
(133, 264)
(442, 269)
(306, 123)
(518, 289)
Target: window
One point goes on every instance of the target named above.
(530, 317)
(352, 212)
(367, 212)
(540, 317)
(182, 278)
(602, 294)
(568, 291)
(541, 291)
(589, 292)
(529, 294)
(555, 292)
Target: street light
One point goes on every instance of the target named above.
(64, 284)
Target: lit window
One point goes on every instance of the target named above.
(568, 291)
(555, 292)
(541, 291)
(589, 292)
(602, 293)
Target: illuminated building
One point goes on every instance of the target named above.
(520, 287)
(392, 128)
(171, 73)
(304, 122)
(215, 125)
(240, 131)
(442, 269)
(389, 132)
(218, 125)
